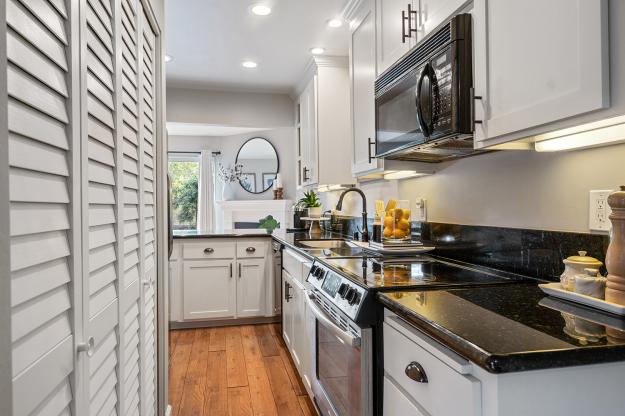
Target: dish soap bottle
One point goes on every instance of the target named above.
(615, 257)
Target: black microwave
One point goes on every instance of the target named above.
(423, 102)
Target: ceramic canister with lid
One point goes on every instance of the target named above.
(575, 265)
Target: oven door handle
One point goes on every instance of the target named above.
(339, 333)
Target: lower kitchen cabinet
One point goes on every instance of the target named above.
(250, 287)
(221, 279)
(424, 377)
(209, 289)
(288, 308)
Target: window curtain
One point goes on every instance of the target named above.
(206, 192)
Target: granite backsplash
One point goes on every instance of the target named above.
(534, 253)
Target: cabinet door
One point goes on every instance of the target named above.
(209, 289)
(434, 12)
(389, 45)
(299, 325)
(251, 285)
(527, 78)
(396, 403)
(288, 308)
(362, 62)
(308, 103)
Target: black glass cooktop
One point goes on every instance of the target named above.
(347, 252)
(384, 273)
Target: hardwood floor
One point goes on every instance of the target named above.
(234, 371)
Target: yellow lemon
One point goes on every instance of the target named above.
(389, 221)
(403, 225)
(406, 214)
(399, 214)
(388, 232)
(399, 233)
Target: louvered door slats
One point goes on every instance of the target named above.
(81, 144)
(39, 140)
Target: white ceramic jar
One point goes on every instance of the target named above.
(575, 265)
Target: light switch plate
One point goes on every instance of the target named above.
(599, 210)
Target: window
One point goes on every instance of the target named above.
(184, 171)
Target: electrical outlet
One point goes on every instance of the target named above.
(420, 213)
(599, 210)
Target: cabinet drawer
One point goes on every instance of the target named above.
(209, 249)
(251, 249)
(431, 394)
(396, 403)
(292, 263)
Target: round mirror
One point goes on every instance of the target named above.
(259, 161)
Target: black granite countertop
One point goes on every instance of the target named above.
(247, 232)
(513, 327)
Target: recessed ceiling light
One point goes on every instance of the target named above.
(249, 64)
(168, 58)
(261, 10)
(317, 51)
(335, 23)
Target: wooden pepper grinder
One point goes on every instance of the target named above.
(615, 257)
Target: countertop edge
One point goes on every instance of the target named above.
(508, 363)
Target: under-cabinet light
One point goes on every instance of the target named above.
(402, 174)
(598, 133)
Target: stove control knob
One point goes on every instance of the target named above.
(343, 289)
(322, 274)
(313, 270)
(355, 299)
(350, 294)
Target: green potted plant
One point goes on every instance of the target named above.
(311, 202)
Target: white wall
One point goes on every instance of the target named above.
(241, 109)
(516, 189)
(283, 139)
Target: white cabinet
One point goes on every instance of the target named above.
(323, 126)
(529, 79)
(209, 289)
(477, 392)
(362, 71)
(221, 279)
(393, 36)
(251, 287)
(288, 309)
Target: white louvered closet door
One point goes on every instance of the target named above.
(42, 140)
(102, 264)
(82, 140)
(148, 146)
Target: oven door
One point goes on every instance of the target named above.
(343, 364)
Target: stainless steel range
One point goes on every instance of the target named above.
(342, 301)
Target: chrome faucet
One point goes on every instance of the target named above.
(339, 205)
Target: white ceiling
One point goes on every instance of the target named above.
(199, 129)
(208, 40)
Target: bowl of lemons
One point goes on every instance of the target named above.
(396, 221)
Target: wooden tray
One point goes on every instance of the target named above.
(555, 290)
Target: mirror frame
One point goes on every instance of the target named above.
(277, 161)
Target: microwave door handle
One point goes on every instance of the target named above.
(342, 336)
(424, 127)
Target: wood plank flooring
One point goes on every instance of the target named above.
(234, 371)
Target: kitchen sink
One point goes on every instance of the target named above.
(325, 243)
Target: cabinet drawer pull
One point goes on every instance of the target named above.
(287, 295)
(209, 250)
(231, 270)
(239, 270)
(250, 249)
(415, 372)
(306, 178)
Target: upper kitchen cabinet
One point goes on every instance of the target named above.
(545, 66)
(323, 127)
(401, 24)
(397, 22)
(362, 70)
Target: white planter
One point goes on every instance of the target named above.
(314, 212)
